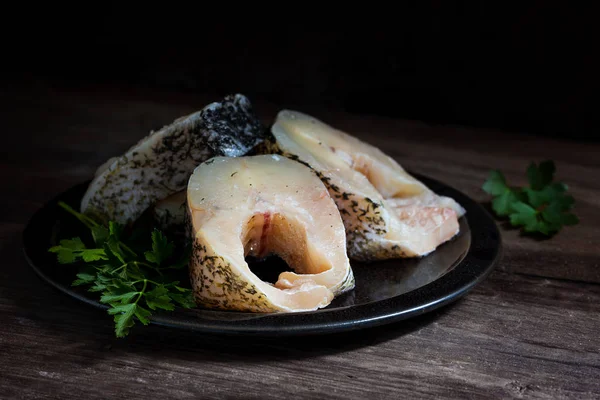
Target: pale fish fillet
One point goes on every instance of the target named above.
(169, 213)
(260, 205)
(387, 212)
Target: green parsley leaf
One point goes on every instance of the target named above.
(123, 298)
(541, 207)
(162, 249)
(158, 298)
(115, 230)
(123, 317)
(540, 177)
(84, 279)
(113, 251)
(185, 298)
(132, 286)
(556, 212)
(538, 198)
(504, 195)
(68, 250)
(90, 255)
(142, 314)
(496, 184)
(72, 250)
(523, 215)
(99, 234)
(502, 204)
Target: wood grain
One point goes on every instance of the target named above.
(529, 331)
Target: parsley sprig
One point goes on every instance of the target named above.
(132, 282)
(541, 207)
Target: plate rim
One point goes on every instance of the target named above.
(450, 287)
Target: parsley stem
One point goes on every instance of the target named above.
(87, 221)
(138, 264)
(125, 247)
(146, 281)
(90, 223)
(142, 292)
(121, 267)
(143, 264)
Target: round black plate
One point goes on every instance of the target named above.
(385, 291)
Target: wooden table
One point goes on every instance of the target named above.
(531, 330)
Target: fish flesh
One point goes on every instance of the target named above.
(255, 206)
(160, 164)
(387, 212)
(169, 213)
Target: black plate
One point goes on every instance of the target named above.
(385, 291)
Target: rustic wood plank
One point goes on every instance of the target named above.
(528, 331)
(514, 336)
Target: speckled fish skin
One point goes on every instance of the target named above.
(161, 163)
(387, 212)
(261, 205)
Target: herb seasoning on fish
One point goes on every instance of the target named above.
(229, 218)
(387, 213)
(160, 164)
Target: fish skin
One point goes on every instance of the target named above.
(160, 163)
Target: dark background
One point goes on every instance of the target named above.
(527, 67)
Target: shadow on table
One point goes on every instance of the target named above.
(187, 345)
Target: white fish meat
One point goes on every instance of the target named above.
(256, 206)
(169, 213)
(387, 212)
